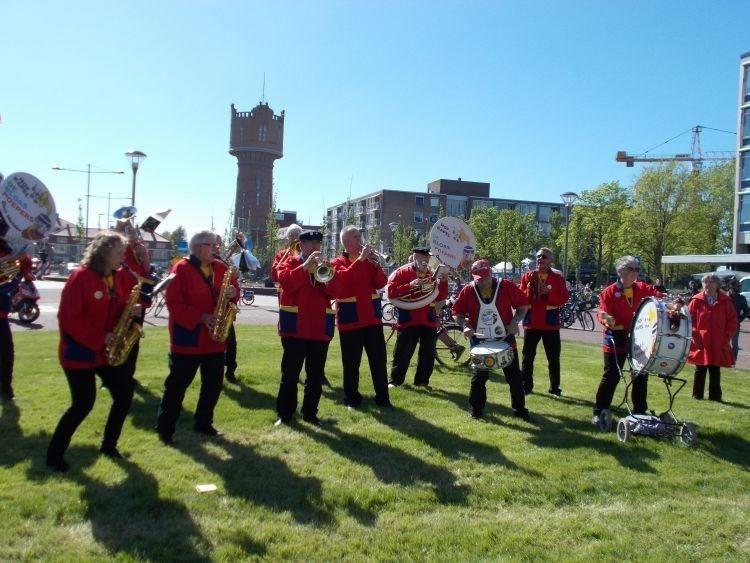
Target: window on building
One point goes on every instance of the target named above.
(544, 213)
(433, 218)
(744, 213)
(455, 206)
(257, 190)
(419, 201)
(746, 83)
(262, 133)
(481, 204)
(418, 217)
(527, 208)
(745, 170)
(746, 127)
(434, 202)
(502, 205)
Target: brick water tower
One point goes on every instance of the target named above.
(257, 140)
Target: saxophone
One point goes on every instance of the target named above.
(126, 332)
(225, 311)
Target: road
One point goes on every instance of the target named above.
(264, 311)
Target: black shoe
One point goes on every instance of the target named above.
(528, 391)
(231, 378)
(475, 415)
(208, 431)
(393, 385)
(522, 414)
(314, 420)
(166, 439)
(58, 465)
(555, 392)
(697, 398)
(282, 421)
(7, 395)
(110, 452)
(384, 404)
(425, 386)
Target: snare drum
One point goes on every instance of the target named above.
(491, 354)
(655, 347)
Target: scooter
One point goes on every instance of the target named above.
(24, 302)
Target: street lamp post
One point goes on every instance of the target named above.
(135, 158)
(88, 173)
(569, 198)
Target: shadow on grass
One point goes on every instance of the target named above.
(449, 444)
(391, 465)
(247, 474)
(565, 433)
(728, 447)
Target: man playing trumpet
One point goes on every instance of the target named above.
(415, 326)
(306, 326)
(359, 316)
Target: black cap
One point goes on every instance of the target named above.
(422, 250)
(311, 235)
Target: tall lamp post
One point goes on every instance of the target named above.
(135, 158)
(88, 173)
(569, 198)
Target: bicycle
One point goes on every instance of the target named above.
(158, 304)
(448, 352)
(247, 296)
(571, 311)
(389, 312)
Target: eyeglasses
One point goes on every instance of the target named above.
(632, 268)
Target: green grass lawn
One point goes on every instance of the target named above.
(419, 481)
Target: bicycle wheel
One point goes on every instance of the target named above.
(248, 296)
(448, 355)
(159, 305)
(567, 317)
(586, 319)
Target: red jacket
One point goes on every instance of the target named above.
(613, 302)
(358, 303)
(305, 305)
(278, 260)
(87, 313)
(148, 282)
(190, 296)
(544, 313)
(398, 286)
(509, 298)
(713, 328)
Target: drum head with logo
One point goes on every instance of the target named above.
(644, 333)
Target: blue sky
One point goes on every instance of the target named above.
(533, 97)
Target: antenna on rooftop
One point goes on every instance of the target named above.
(263, 94)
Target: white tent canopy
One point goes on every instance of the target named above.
(503, 268)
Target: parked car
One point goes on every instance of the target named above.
(745, 287)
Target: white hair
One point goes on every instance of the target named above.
(201, 237)
(345, 232)
(625, 261)
(292, 232)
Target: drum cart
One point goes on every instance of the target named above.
(658, 346)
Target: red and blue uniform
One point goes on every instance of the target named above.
(398, 286)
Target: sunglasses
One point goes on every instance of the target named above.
(540, 256)
(632, 268)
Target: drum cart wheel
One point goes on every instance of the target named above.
(623, 430)
(605, 420)
(688, 434)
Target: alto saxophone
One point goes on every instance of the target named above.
(127, 332)
(225, 310)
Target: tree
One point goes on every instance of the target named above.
(174, 237)
(404, 239)
(709, 221)
(267, 249)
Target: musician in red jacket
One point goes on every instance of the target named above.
(290, 236)
(359, 317)
(415, 326)
(306, 326)
(714, 323)
(545, 289)
(617, 306)
(191, 299)
(495, 302)
(91, 303)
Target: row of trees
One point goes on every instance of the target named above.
(667, 210)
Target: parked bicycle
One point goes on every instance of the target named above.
(572, 311)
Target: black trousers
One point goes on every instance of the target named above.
(230, 357)
(311, 353)
(551, 342)
(406, 342)
(611, 378)
(714, 382)
(82, 383)
(182, 369)
(7, 356)
(478, 389)
(371, 339)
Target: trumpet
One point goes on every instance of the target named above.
(380, 258)
(324, 272)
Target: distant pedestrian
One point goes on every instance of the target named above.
(742, 310)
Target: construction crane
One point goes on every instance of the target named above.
(696, 158)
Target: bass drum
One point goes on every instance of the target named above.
(658, 344)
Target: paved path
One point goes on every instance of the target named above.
(264, 311)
